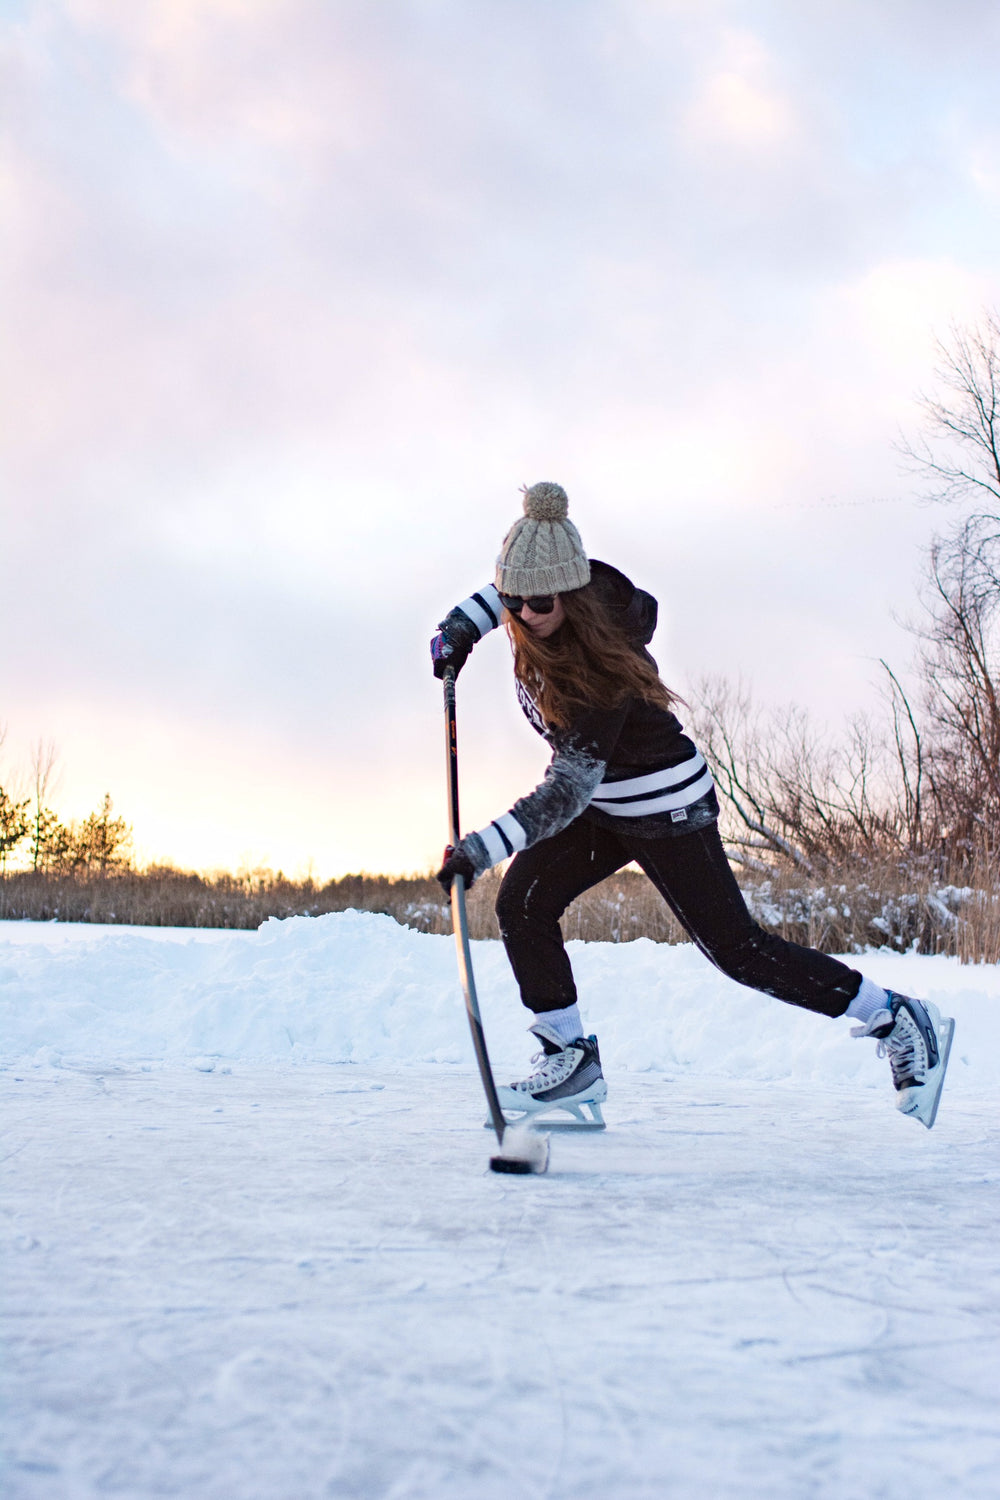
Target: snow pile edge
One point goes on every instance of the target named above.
(356, 987)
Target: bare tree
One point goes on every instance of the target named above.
(792, 795)
(49, 838)
(960, 667)
(735, 739)
(908, 744)
(959, 451)
(959, 657)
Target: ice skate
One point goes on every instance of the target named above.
(569, 1079)
(917, 1042)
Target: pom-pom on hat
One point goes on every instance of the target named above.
(543, 553)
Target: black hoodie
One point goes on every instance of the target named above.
(630, 768)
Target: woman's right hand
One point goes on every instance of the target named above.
(450, 648)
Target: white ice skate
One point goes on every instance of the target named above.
(569, 1079)
(917, 1041)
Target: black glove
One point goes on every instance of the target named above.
(456, 862)
(452, 644)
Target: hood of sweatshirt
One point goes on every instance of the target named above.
(633, 609)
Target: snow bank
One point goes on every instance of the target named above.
(355, 987)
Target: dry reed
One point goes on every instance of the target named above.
(978, 937)
(864, 908)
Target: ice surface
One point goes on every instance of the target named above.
(226, 1275)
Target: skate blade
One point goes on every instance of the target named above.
(923, 1105)
(594, 1121)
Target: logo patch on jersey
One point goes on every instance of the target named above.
(530, 709)
(679, 815)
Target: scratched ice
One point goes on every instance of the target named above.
(251, 1247)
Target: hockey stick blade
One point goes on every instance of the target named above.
(523, 1151)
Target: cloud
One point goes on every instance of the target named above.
(254, 75)
(898, 305)
(739, 105)
(983, 165)
(298, 294)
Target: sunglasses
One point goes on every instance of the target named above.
(541, 604)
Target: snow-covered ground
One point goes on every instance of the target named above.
(252, 1249)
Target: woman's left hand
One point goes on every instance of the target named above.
(456, 862)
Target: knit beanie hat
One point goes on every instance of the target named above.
(542, 554)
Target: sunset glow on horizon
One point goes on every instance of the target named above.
(297, 295)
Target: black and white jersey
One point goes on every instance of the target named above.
(625, 767)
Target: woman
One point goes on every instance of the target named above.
(625, 783)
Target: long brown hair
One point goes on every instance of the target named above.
(587, 663)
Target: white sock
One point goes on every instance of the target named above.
(566, 1023)
(871, 998)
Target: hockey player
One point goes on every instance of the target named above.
(625, 783)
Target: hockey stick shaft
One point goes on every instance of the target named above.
(459, 919)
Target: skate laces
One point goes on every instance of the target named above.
(556, 1067)
(905, 1049)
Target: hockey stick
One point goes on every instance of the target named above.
(531, 1153)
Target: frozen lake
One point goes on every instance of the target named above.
(283, 1279)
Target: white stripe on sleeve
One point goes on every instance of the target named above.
(495, 846)
(483, 609)
(509, 825)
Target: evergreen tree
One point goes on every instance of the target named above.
(14, 826)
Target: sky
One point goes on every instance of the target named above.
(297, 295)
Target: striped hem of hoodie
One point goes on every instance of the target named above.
(668, 790)
(502, 838)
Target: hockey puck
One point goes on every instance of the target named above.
(523, 1150)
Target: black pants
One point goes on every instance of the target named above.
(693, 876)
